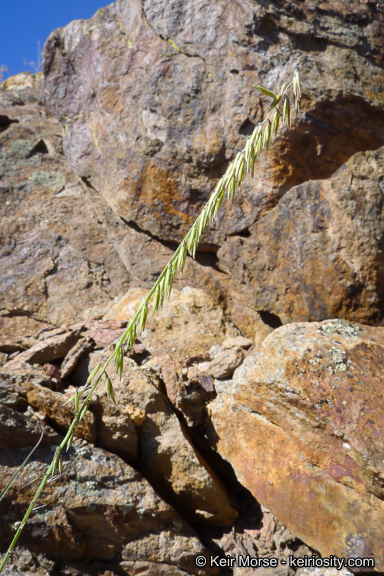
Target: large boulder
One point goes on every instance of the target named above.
(157, 98)
(301, 425)
(319, 253)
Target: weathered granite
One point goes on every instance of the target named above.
(154, 100)
(174, 82)
(301, 426)
(143, 428)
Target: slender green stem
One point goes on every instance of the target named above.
(20, 469)
(175, 254)
(51, 468)
(195, 230)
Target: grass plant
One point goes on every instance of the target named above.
(244, 161)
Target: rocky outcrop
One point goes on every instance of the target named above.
(102, 515)
(327, 259)
(165, 455)
(57, 259)
(87, 514)
(182, 93)
(300, 423)
(104, 165)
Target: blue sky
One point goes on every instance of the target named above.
(24, 23)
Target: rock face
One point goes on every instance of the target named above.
(317, 391)
(100, 519)
(104, 164)
(177, 82)
(57, 265)
(165, 455)
(327, 259)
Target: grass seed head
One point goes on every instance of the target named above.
(252, 158)
(256, 132)
(267, 135)
(119, 362)
(218, 203)
(142, 318)
(240, 171)
(84, 409)
(259, 144)
(287, 112)
(231, 188)
(296, 85)
(181, 258)
(156, 301)
(109, 389)
(69, 442)
(169, 279)
(265, 91)
(229, 173)
(275, 122)
(162, 291)
(93, 374)
(131, 335)
(192, 241)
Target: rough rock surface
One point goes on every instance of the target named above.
(165, 455)
(317, 391)
(191, 385)
(174, 82)
(100, 509)
(88, 514)
(327, 259)
(188, 324)
(102, 171)
(57, 260)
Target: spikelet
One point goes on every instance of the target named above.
(265, 91)
(259, 144)
(181, 258)
(130, 335)
(156, 301)
(169, 276)
(119, 360)
(275, 122)
(203, 222)
(267, 135)
(109, 389)
(231, 188)
(192, 241)
(162, 291)
(143, 318)
(287, 112)
(239, 171)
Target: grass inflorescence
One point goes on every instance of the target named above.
(233, 177)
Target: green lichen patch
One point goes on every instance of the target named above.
(338, 361)
(51, 180)
(21, 148)
(341, 327)
(20, 152)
